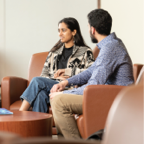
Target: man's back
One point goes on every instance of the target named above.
(113, 65)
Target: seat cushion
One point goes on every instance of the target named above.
(16, 105)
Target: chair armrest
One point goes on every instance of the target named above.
(136, 70)
(96, 104)
(11, 90)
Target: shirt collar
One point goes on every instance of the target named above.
(106, 40)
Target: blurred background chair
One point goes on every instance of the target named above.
(11, 138)
(96, 104)
(7, 137)
(44, 140)
(125, 119)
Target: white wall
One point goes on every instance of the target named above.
(128, 23)
(30, 26)
(2, 40)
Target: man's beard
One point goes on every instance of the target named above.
(93, 39)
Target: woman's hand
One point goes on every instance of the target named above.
(62, 77)
(59, 72)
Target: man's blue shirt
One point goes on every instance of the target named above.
(113, 66)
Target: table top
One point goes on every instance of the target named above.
(24, 116)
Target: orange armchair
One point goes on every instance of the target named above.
(136, 70)
(124, 123)
(13, 87)
(96, 104)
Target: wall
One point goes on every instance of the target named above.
(30, 26)
(128, 23)
(2, 39)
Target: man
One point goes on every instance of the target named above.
(113, 66)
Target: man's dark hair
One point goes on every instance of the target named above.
(100, 20)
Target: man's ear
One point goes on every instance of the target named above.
(92, 30)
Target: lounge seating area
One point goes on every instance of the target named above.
(97, 102)
(71, 72)
(124, 123)
(100, 100)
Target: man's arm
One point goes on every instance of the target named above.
(79, 79)
(103, 67)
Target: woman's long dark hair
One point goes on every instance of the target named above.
(72, 24)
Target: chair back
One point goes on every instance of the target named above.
(95, 52)
(36, 65)
(125, 119)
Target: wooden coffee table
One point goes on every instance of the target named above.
(27, 123)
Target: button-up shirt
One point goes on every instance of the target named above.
(113, 66)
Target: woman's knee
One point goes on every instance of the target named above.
(36, 80)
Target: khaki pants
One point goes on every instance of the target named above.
(63, 108)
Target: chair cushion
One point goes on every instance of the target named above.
(16, 105)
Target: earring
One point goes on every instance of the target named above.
(73, 39)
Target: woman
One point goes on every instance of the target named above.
(68, 57)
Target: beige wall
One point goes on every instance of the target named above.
(2, 40)
(128, 23)
(30, 26)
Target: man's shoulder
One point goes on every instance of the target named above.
(115, 45)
